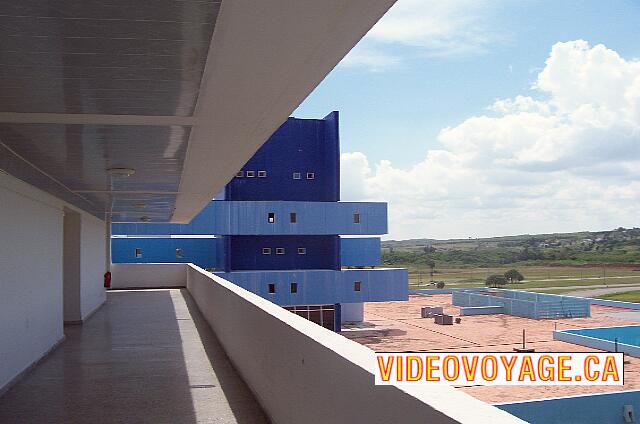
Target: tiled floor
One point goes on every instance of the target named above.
(145, 357)
(397, 327)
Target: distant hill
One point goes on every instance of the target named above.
(621, 245)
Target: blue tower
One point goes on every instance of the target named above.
(278, 227)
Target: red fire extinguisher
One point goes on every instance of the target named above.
(107, 280)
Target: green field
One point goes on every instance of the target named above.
(631, 296)
(535, 276)
(555, 261)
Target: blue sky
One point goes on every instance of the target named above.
(409, 103)
(431, 65)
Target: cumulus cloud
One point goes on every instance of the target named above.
(565, 158)
(432, 28)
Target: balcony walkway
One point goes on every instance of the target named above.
(145, 357)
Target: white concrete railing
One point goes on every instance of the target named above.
(303, 373)
(127, 276)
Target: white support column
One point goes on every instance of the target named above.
(107, 242)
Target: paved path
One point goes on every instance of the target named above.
(602, 291)
(594, 286)
(620, 277)
(144, 357)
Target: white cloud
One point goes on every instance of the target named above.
(373, 59)
(567, 158)
(432, 28)
(441, 27)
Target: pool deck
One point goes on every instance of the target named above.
(397, 326)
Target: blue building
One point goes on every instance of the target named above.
(275, 230)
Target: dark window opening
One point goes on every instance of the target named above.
(262, 174)
(293, 217)
(179, 253)
(357, 286)
(240, 174)
(294, 287)
(356, 218)
(138, 252)
(302, 250)
(279, 250)
(297, 175)
(271, 217)
(251, 174)
(272, 288)
(266, 250)
(323, 315)
(311, 175)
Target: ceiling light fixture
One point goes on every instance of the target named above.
(121, 172)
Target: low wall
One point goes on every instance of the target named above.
(481, 310)
(129, 276)
(522, 308)
(603, 408)
(525, 304)
(432, 291)
(303, 373)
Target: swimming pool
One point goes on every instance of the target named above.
(605, 338)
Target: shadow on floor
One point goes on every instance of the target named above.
(234, 388)
(139, 359)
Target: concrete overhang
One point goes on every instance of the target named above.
(182, 93)
(265, 59)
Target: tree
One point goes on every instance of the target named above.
(495, 280)
(432, 265)
(513, 275)
(524, 254)
(440, 284)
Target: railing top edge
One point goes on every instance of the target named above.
(445, 399)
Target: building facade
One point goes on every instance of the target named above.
(276, 230)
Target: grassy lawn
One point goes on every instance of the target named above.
(631, 296)
(535, 276)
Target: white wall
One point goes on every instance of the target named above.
(92, 267)
(31, 274)
(351, 312)
(303, 373)
(152, 275)
(30, 277)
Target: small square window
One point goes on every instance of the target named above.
(179, 253)
(266, 250)
(356, 218)
(302, 250)
(311, 175)
(279, 250)
(297, 175)
(138, 252)
(272, 288)
(294, 287)
(271, 217)
(262, 174)
(250, 174)
(293, 217)
(357, 285)
(240, 174)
